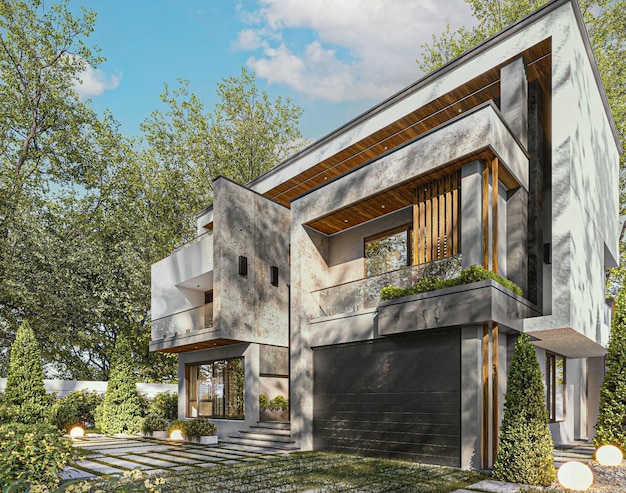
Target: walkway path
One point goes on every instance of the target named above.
(104, 455)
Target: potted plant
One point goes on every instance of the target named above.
(276, 409)
(154, 426)
(200, 430)
(197, 430)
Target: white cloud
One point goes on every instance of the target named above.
(93, 82)
(361, 49)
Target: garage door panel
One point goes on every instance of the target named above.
(396, 397)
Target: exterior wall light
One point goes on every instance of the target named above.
(243, 265)
(274, 275)
(575, 475)
(77, 432)
(176, 435)
(609, 455)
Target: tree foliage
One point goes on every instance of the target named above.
(25, 398)
(122, 408)
(611, 423)
(525, 446)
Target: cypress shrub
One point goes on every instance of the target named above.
(611, 424)
(25, 398)
(526, 446)
(122, 408)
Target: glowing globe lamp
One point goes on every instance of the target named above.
(77, 432)
(609, 455)
(575, 476)
(176, 435)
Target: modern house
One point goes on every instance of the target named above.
(507, 158)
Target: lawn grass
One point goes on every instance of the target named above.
(321, 471)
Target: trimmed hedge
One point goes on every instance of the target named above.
(473, 273)
(77, 408)
(525, 445)
(193, 428)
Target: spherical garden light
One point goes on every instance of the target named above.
(77, 432)
(176, 435)
(609, 455)
(575, 475)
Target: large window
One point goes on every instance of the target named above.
(555, 386)
(388, 251)
(216, 389)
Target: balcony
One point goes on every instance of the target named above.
(365, 293)
(183, 323)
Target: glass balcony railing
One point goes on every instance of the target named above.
(365, 293)
(193, 240)
(182, 323)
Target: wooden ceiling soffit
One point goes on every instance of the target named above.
(483, 88)
(198, 346)
(398, 197)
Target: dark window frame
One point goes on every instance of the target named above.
(552, 386)
(405, 228)
(190, 368)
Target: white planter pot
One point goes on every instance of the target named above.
(161, 434)
(206, 440)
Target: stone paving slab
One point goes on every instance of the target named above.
(151, 461)
(492, 486)
(136, 450)
(173, 458)
(126, 464)
(71, 473)
(198, 457)
(208, 464)
(96, 467)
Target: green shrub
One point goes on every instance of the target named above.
(76, 408)
(611, 424)
(25, 396)
(264, 402)
(526, 446)
(277, 403)
(121, 411)
(473, 273)
(32, 453)
(193, 428)
(164, 404)
(152, 423)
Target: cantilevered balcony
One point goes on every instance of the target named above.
(181, 323)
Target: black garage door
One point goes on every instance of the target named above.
(396, 397)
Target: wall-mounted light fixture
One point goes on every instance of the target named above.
(274, 275)
(243, 265)
(547, 253)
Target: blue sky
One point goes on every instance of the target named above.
(334, 58)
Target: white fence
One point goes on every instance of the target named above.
(64, 387)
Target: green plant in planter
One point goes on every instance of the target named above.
(152, 423)
(198, 427)
(277, 403)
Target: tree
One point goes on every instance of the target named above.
(24, 391)
(122, 409)
(611, 424)
(525, 446)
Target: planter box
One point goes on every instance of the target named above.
(205, 440)
(160, 435)
(274, 415)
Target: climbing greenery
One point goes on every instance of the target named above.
(525, 446)
(473, 273)
(122, 408)
(611, 424)
(25, 398)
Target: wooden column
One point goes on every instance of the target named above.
(494, 215)
(494, 391)
(485, 209)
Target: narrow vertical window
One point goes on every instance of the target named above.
(555, 387)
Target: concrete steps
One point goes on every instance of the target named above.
(578, 451)
(265, 436)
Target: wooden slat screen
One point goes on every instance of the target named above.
(436, 213)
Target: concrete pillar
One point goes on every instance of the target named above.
(595, 377)
(517, 244)
(471, 397)
(471, 214)
(514, 98)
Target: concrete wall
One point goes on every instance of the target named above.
(63, 387)
(250, 308)
(584, 190)
(179, 281)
